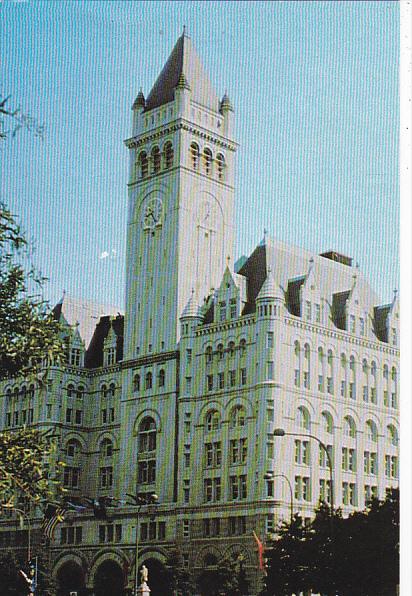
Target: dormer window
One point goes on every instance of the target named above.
(362, 326)
(74, 357)
(111, 356)
(233, 308)
(222, 311)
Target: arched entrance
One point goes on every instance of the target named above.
(109, 579)
(70, 578)
(157, 582)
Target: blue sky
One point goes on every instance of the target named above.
(315, 91)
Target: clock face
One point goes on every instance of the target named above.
(152, 214)
(207, 216)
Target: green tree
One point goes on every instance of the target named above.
(29, 339)
(226, 579)
(12, 582)
(179, 580)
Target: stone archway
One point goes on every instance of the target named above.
(158, 583)
(70, 578)
(109, 579)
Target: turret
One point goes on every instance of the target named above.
(138, 108)
(226, 109)
(182, 95)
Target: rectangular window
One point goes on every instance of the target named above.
(270, 339)
(221, 380)
(104, 416)
(329, 382)
(78, 418)
(324, 490)
(188, 355)
(143, 532)
(394, 336)
(302, 454)
(48, 412)
(186, 491)
(152, 530)
(270, 446)
(352, 390)
(317, 313)
(238, 451)
(362, 326)
(352, 327)
(209, 382)
(222, 311)
(343, 388)
(186, 528)
(188, 384)
(297, 378)
(270, 370)
(243, 376)
(321, 386)
(232, 378)
(365, 393)
(373, 395)
(308, 310)
(69, 412)
(233, 309)
(161, 530)
(187, 422)
(306, 379)
(187, 456)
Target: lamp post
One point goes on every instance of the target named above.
(139, 501)
(270, 475)
(279, 432)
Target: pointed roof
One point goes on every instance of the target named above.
(270, 289)
(183, 64)
(192, 308)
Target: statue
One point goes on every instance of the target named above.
(144, 574)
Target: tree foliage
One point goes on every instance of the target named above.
(228, 579)
(11, 581)
(28, 332)
(178, 579)
(14, 119)
(357, 556)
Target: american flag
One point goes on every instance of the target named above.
(53, 515)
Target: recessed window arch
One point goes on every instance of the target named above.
(143, 164)
(73, 448)
(392, 435)
(394, 375)
(212, 420)
(365, 366)
(231, 348)
(80, 392)
(103, 390)
(156, 159)
(148, 380)
(306, 351)
(209, 354)
(71, 391)
(220, 163)
(147, 435)
(303, 418)
(106, 448)
(330, 358)
(327, 422)
(385, 371)
(168, 155)
(237, 417)
(242, 346)
(112, 390)
(195, 155)
(136, 382)
(349, 427)
(297, 348)
(207, 158)
(371, 431)
(161, 377)
(220, 351)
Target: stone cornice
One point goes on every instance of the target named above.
(176, 125)
(149, 359)
(225, 325)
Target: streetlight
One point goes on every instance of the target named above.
(139, 501)
(279, 432)
(270, 475)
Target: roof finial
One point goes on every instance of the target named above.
(184, 29)
(228, 260)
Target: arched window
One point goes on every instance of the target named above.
(371, 431)
(71, 392)
(161, 378)
(373, 369)
(80, 392)
(209, 354)
(352, 365)
(143, 164)
(231, 348)
(73, 448)
(31, 392)
(385, 372)
(168, 155)
(303, 418)
(320, 354)
(212, 420)
(392, 435)
(327, 421)
(156, 160)
(148, 380)
(136, 383)
(349, 427)
(147, 435)
(242, 346)
(23, 392)
(220, 162)
(330, 358)
(297, 348)
(343, 360)
(195, 153)
(207, 157)
(365, 367)
(220, 351)
(237, 417)
(106, 448)
(112, 390)
(394, 375)
(307, 352)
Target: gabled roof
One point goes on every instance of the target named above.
(184, 64)
(106, 325)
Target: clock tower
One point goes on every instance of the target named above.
(181, 200)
